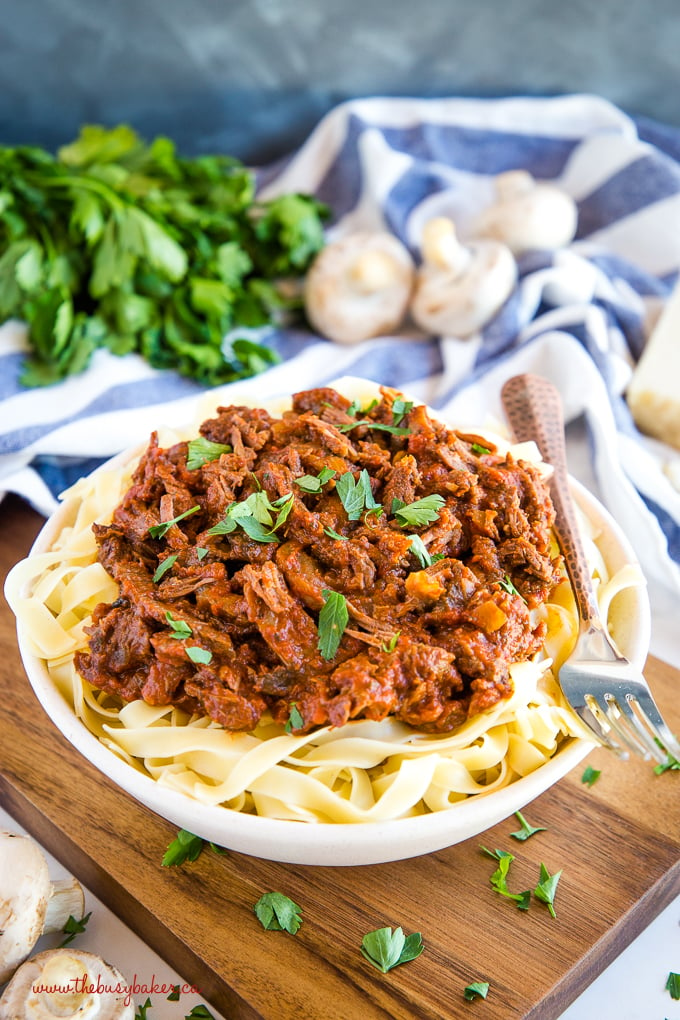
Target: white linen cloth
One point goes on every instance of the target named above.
(578, 316)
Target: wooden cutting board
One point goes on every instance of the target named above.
(617, 842)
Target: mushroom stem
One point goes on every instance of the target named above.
(441, 247)
(66, 900)
(372, 271)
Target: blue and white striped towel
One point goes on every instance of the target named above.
(579, 316)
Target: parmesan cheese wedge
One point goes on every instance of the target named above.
(654, 391)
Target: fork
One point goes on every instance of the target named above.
(608, 693)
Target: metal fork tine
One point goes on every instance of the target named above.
(596, 719)
(652, 718)
(610, 718)
(625, 714)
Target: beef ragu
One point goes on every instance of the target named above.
(330, 564)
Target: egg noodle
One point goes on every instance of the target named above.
(360, 772)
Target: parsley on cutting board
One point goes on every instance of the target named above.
(121, 244)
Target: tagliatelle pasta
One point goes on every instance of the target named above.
(362, 771)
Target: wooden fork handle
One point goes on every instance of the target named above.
(534, 410)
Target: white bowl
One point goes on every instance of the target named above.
(342, 843)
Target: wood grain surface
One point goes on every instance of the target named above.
(618, 843)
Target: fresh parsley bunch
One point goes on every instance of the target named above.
(121, 244)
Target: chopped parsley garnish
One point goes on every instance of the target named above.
(590, 775)
(507, 585)
(420, 512)
(479, 449)
(389, 646)
(74, 927)
(163, 567)
(499, 878)
(277, 912)
(334, 534)
(254, 516)
(200, 451)
(399, 409)
(356, 496)
(180, 628)
(333, 619)
(174, 994)
(199, 655)
(295, 720)
(394, 430)
(201, 551)
(547, 887)
(419, 550)
(476, 990)
(200, 1012)
(142, 1010)
(527, 830)
(314, 483)
(160, 530)
(673, 985)
(186, 847)
(671, 764)
(386, 949)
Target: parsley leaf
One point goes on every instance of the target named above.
(277, 912)
(295, 720)
(180, 628)
(163, 567)
(671, 764)
(159, 530)
(333, 619)
(590, 775)
(507, 585)
(389, 646)
(356, 496)
(420, 551)
(386, 949)
(527, 830)
(314, 483)
(200, 1012)
(186, 847)
(479, 449)
(476, 990)
(334, 534)
(547, 887)
(399, 409)
(74, 927)
(422, 511)
(673, 985)
(201, 451)
(142, 1010)
(200, 655)
(394, 430)
(174, 994)
(499, 878)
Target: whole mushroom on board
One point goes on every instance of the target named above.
(359, 287)
(460, 288)
(528, 214)
(67, 983)
(30, 903)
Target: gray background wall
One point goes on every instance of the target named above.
(252, 77)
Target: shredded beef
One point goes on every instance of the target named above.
(221, 615)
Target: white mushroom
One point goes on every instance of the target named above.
(359, 287)
(67, 983)
(529, 214)
(30, 904)
(458, 288)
